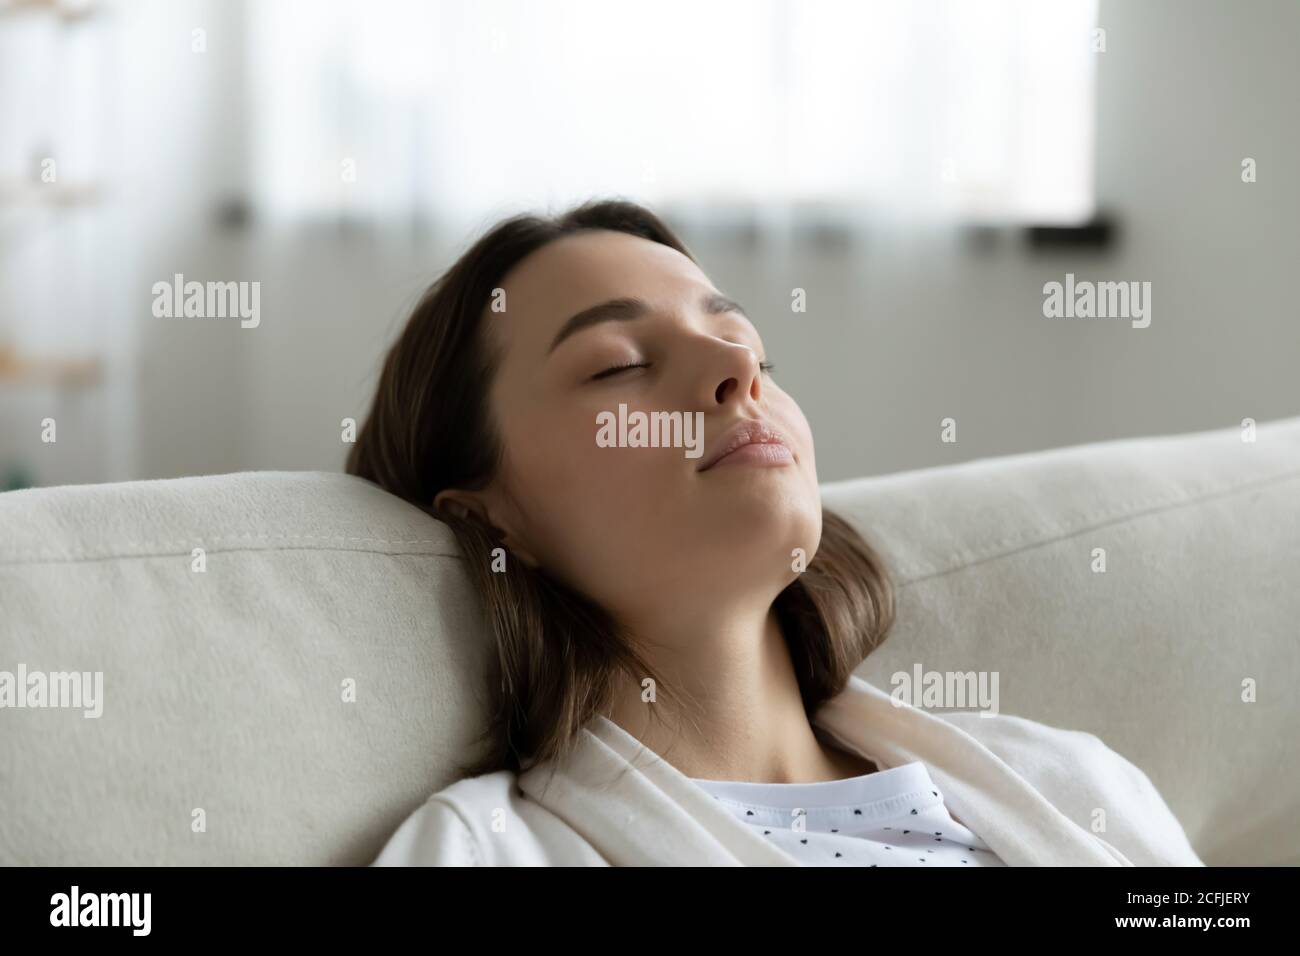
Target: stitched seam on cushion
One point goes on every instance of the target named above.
(1128, 512)
(227, 543)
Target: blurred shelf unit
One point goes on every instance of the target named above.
(68, 11)
(56, 371)
(30, 193)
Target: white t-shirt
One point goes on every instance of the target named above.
(893, 817)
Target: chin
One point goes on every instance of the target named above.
(756, 494)
(756, 534)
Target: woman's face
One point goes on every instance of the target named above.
(643, 530)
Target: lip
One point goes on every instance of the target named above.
(740, 435)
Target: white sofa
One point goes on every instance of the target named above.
(226, 691)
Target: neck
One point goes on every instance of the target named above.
(737, 713)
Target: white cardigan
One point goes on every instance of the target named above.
(1030, 791)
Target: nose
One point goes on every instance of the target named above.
(734, 377)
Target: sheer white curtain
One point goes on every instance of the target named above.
(911, 110)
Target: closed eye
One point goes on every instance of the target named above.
(615, 369)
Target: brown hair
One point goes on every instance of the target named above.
(557, 652)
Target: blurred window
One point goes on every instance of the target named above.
(912, 109)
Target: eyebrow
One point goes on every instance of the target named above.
(627, 308)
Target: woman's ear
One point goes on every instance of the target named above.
(459, 503)
(462, 504)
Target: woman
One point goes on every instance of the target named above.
(676, 619)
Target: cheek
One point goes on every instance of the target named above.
(581, 500)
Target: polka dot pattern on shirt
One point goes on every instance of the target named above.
(893, 817)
